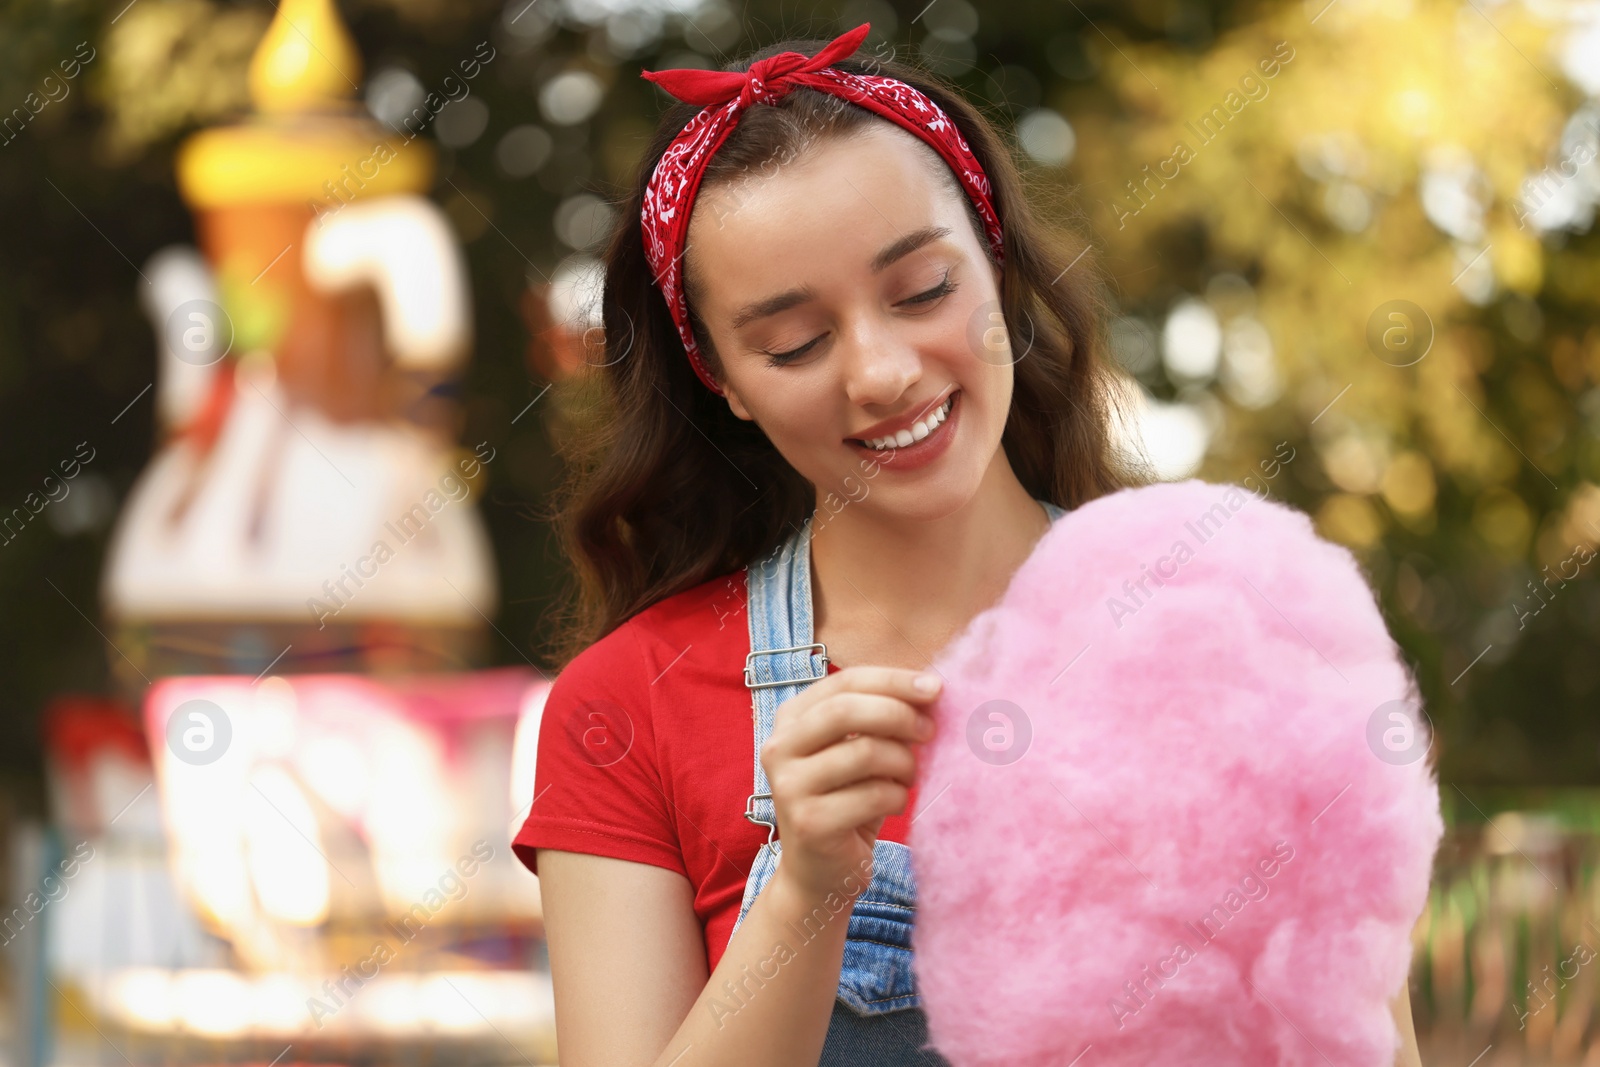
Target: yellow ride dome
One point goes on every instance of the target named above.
(309, 140)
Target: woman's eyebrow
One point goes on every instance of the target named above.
(904, 246)
(771, 305)
(892, 253)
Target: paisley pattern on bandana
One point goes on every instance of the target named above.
(669, 195)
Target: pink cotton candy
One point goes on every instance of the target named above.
(1205, 731)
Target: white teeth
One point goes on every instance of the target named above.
(917, 431)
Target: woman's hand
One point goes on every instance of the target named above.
(839, 761)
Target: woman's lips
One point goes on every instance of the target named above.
(918, 453)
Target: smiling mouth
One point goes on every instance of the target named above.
(920, 430)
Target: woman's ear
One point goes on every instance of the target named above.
(735, 404)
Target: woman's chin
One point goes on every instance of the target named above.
(932, 498)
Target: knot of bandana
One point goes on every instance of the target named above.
(766, 81)
(724, 96)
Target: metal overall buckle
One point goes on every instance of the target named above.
(750, 670)
(751, 683)
(750, 813)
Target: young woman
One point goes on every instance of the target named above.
(849, 383)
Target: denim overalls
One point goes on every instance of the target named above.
(877, 1018)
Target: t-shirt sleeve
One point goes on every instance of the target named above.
(597, 785)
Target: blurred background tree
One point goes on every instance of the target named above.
(1386, 157)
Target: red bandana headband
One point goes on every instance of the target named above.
(669, 196)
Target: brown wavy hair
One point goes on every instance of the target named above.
(666, 488)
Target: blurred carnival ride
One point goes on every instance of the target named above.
(308, 468)
(297, 848)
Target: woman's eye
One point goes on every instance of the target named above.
(778, 359)
(944, 288)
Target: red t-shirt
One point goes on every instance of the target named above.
(646, 752)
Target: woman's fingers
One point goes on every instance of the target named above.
(823, 815)
(840, 758)
(829, 709)
(813, 728)
(847, 762)
(887, 681)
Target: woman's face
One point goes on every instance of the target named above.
(848, 297)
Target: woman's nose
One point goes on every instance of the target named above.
(878, 366)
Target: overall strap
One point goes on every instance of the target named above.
(783, 659)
